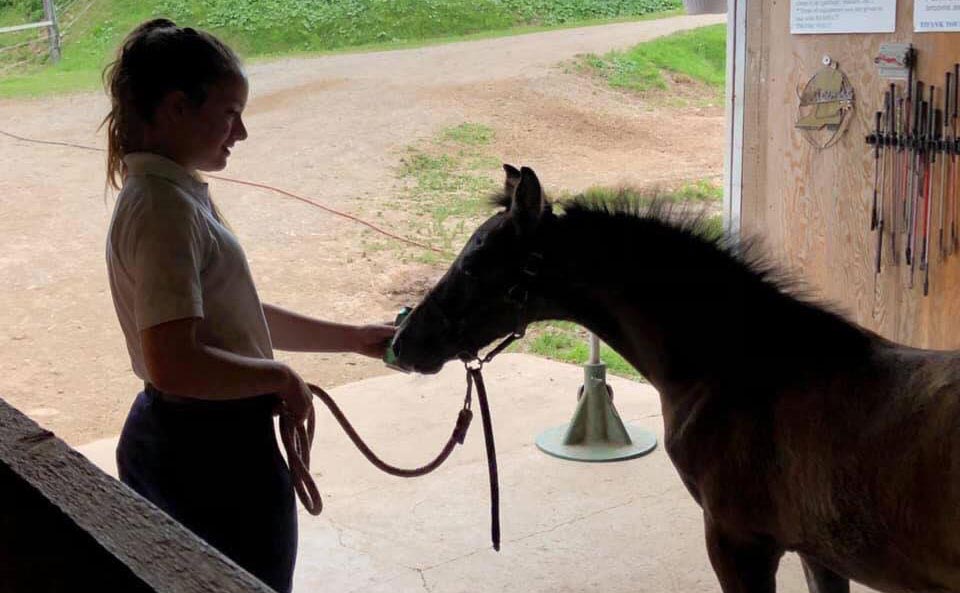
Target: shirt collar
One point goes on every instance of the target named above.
(148, 163)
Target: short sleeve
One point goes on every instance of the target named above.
(168, 243)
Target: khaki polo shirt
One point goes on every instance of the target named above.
(169, 258)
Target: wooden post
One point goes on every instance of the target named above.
(53, 31)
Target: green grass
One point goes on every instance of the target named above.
(567, 342)
(699, 55)
(448, 179)
(88, 47)
(704, 191)
(269, 28)
(17, 12)
(469, 134)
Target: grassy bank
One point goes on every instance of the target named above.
(263, 28)
(698, 56)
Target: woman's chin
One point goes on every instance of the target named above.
(214, 166)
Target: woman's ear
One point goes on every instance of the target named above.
(172, 108)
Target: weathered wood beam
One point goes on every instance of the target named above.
(42, 550)
(124, 540)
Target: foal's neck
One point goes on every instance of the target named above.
(683, 310)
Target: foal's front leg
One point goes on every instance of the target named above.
(823, 580)
(742, 564)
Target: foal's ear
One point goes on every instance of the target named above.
(512, 181)
(528, 201)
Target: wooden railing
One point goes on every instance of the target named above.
(49, 22)
(67, 526)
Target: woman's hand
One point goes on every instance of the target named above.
(296, 398)
(372, 340)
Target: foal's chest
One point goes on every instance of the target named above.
(726, 465)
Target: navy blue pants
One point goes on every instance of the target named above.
(215, 467)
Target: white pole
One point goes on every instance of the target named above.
(735, 88)
(594, 349)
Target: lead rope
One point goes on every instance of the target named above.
(474, 365)
(474, 376)
(298, 437)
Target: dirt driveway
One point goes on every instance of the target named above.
(333, 128)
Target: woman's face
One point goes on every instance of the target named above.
(210, 130)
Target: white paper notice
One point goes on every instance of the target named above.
(936, 15)
(843, 16)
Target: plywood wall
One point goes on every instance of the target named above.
(812, 207)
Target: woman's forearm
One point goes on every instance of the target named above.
(217, 374)
(298, 333)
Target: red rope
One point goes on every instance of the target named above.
(328, 209)
(265, 186)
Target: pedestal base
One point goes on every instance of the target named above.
(596, 432)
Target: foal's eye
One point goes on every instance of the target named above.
(468, 268)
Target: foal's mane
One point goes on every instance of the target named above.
(772, 314)
(693, 227)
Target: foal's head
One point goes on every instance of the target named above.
(482, 296)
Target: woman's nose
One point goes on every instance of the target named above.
(241, 130)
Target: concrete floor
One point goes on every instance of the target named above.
(618, 527)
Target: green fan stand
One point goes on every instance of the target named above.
(596, 432)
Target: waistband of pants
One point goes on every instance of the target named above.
(152, 391)
(255, 401)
